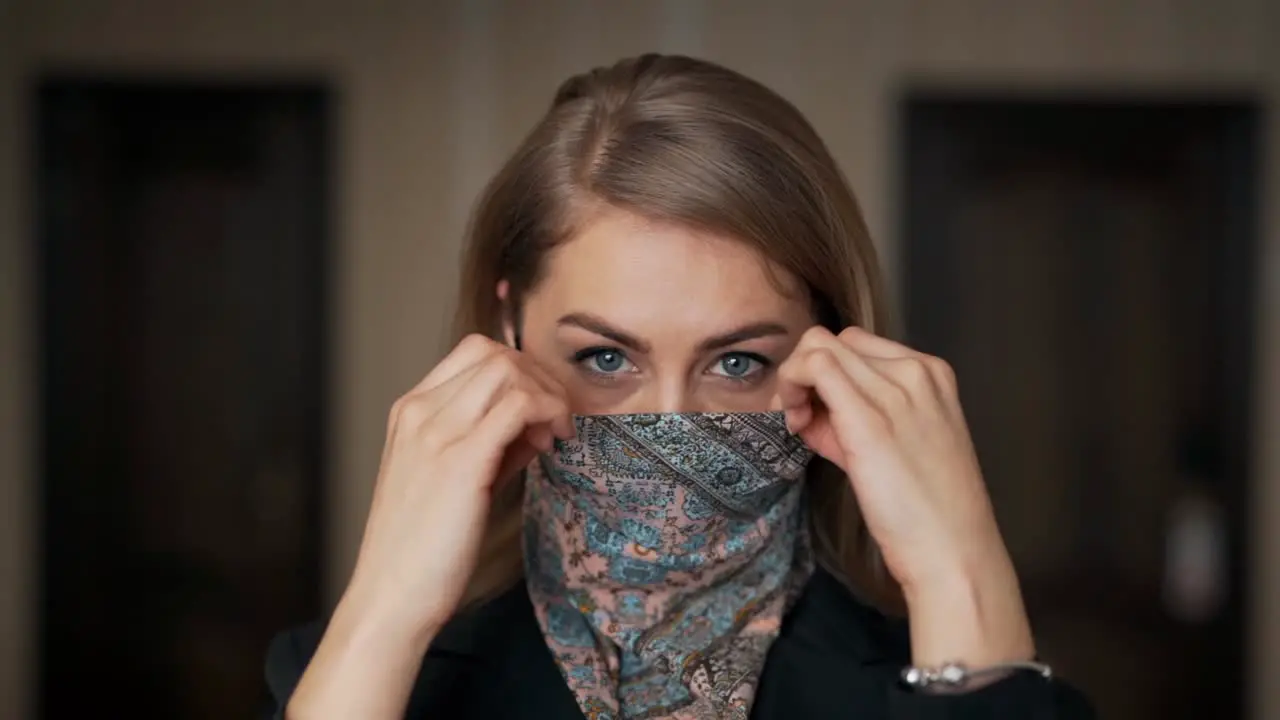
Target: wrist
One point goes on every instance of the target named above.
(974, 617)
(363, 667)
(368, 623)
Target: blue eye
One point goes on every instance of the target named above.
(737, 366)
(608, 361)
(604, 361)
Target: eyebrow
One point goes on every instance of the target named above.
(599, 326)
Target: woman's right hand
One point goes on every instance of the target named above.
(479, 417)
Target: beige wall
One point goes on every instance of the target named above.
(434, 93)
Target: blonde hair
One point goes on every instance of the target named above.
(682, 140)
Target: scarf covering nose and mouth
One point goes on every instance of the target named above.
(661, 553)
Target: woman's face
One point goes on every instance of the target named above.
(634, 316)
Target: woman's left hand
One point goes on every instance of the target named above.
(890, 417)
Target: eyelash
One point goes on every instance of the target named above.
(581, 357)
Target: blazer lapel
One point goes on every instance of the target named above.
(536, 683)
(493, 662)
(835, 654)
(502, 642)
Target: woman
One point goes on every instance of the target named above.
(672, 470)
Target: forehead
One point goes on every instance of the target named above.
(638, 270)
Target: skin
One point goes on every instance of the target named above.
(634, 316)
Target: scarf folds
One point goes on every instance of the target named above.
(661, 553)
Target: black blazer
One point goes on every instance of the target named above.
(835, 659)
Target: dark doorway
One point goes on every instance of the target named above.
(1086, 267)
(182, 233)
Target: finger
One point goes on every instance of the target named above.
(527, 366)
(522, 451)
(819, 372)
(873, 345)
(792, 395)
(484, 386)
(564, 430)
(798, 418)
(793, 392)
(469, 352)
(562, 425)
(518, 456)
(866, 371)
(849, 409)
(924, 379)
(499, 437)
(914, 373)
(794, 385)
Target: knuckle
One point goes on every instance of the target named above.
(899, 396)
(506, 363)
(823, 360)
(397, 409)
(409, 411)
(938, 365)
(815, 334)
(521, 401)
(942, 370)
(431, 442)
(474, 342)
(916, 372)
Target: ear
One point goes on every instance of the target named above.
(503, 290)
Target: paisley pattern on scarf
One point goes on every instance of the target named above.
(661, 553)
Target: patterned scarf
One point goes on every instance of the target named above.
(661, 552)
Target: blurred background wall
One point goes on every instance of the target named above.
(432, 95)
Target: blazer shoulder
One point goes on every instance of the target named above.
(288, 654)
(456, 652)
